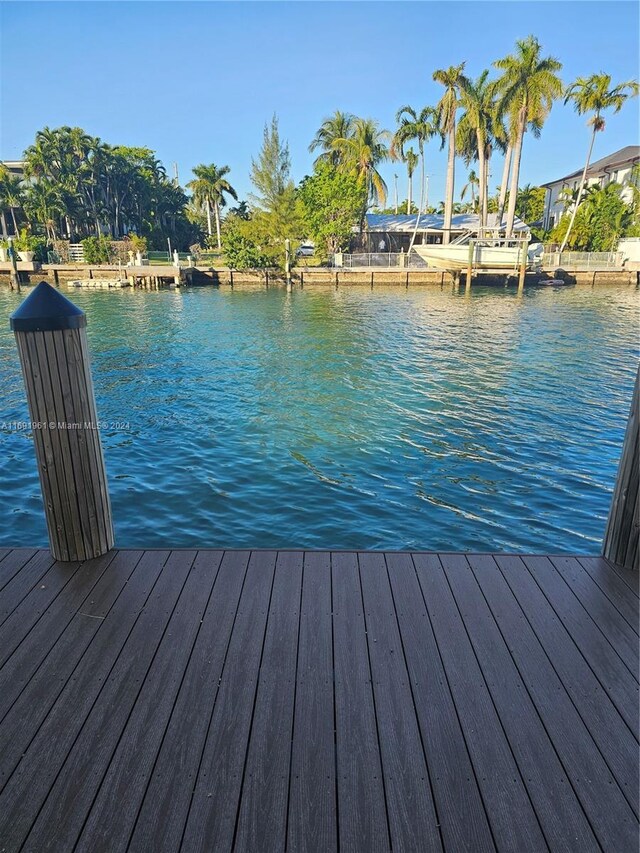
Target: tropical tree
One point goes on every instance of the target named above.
(11, 195)
(209, 188)
(331, 202)
(361, 153)
(595, 94)
(530, 203)
(337, 126)
(419, 127)
(528, 87)
(471, 185)
(43, 203)
(411, 159)
(453, 80)
(477, 97)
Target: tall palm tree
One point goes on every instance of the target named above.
(477, 98)
(337, 126)
(419, 127)
(361, 153)
(13, 196)
(411, 159)
(594, 94)
(209, 188)
(43, 204)
(528, 87)
(472, 182)
(453, 80)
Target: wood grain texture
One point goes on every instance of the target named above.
(623, 525)
(56, 371)
(244, 701)
(312, 818)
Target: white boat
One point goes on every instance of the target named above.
(487, 254)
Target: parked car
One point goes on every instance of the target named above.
(306, 249)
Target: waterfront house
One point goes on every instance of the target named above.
(393, 232)
(616, 167)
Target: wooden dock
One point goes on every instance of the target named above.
(260, 701)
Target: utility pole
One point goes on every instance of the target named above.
(395, 189)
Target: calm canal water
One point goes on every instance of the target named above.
(346, 419)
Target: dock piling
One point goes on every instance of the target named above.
(50, 334)
(623, 525)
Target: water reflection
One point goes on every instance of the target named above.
(353, 418)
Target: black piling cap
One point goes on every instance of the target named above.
(45, 310)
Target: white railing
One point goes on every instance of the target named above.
(586, 261)
(388, 260)
(76, 253)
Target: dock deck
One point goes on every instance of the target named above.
(312, 701)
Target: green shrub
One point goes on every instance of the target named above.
(97, 250)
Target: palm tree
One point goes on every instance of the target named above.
(43, 204)
(453, 80)
(472, 183)
(13, 195)
(411, 159)
(209, 188)
(594, 95)
(337, 126)
(421, 127)
(360, 154)
(477, 98)
(528, 87)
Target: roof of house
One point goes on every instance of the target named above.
(402, 223)
(624, 155)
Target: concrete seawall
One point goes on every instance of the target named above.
(312, 276)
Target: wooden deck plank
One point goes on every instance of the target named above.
(602, 799)
(559, 811)
(614, 588)
(606, 616)
(60, 638)
(609, 668)
(12, 562)
(413, 821)
(76, 784)
(316, 701)
(117, 803)
(362, 810)
(41, 751)
(16, 627)
(455, 786)
(615, 740)
(24, 581)
(505, 791)
(163, 814)
(212, 818)
(312, 818)
(262, 814)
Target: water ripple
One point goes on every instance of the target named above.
(347, 419)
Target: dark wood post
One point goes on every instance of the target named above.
(51, 336)
(623, 525)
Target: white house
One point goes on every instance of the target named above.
(386, 232)
(617, 167)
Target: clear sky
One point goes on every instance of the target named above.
(196, 81)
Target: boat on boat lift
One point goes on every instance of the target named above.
(488, 252)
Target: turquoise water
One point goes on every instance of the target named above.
(347, 418)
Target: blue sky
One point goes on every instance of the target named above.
(197, 81)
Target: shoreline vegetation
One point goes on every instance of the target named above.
(77, 188)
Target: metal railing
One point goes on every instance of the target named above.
(585, 261)
(388, 260)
